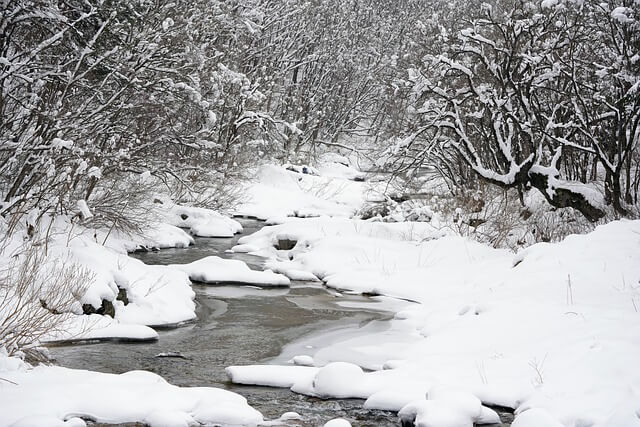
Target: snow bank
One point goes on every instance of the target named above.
(98, 327)
(213, 269)
(274, 376)
(78, 276)
(157, 295)
(278, 192)
(202, 222)
(554, 328)
(363, 238)
(155, 236)
(48, 395)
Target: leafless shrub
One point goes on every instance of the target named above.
(214, 190)
(122, 204)
(36, 298)
(496, 217)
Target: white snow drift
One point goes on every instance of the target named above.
(213, 269)
(552, 332)
(48, 395)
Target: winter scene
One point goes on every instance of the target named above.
(319, 213)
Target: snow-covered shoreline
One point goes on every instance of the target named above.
(553, 328)
(55, 396)
(551, 331)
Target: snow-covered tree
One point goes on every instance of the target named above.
(529, 91)
(94, 91)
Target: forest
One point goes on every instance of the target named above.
(514, 95)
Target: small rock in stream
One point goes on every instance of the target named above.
(174, 354)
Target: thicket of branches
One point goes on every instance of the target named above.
(542, 95)
(92, 92)
(520, 94)
(37, 298)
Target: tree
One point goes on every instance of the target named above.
(92, 92)
(521, 89)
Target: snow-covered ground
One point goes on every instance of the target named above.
(201, 222)
(50, 395)
(552, 331)
(555, 328)
(278, 193)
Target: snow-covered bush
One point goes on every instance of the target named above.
(95, 94)
(392, 211)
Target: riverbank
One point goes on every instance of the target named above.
(553, 328)
(550, 332)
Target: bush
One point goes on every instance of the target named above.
(37, 296)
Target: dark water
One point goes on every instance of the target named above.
(238, 326)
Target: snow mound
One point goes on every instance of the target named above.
(157, 295)
(97, 327)
(202, 222)
(271, 375)
(155, 236)
(339, 379)
(280, 193)
(55, 394)
(213, 269)
(535, 418)
(337, 422)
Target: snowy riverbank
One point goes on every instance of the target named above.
(553, 328)
(551, 331)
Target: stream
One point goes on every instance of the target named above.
(240, 325)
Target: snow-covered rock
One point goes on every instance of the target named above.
(202, 222)
(337, 422)
(213, 269)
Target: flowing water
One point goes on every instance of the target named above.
(244, 325)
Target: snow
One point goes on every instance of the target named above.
(49, 395)
(201, 222)
(49, 421)
(303, 360)
(591, 194)
(277, 193)
(534, 418)
(157, 294)
(361, 235)
(551, 331)
(213, 269)
(274, 376)
(155, 236)
(337, 422)
(621, 14)
(553, 328)
(97, 327)
(84, 209)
